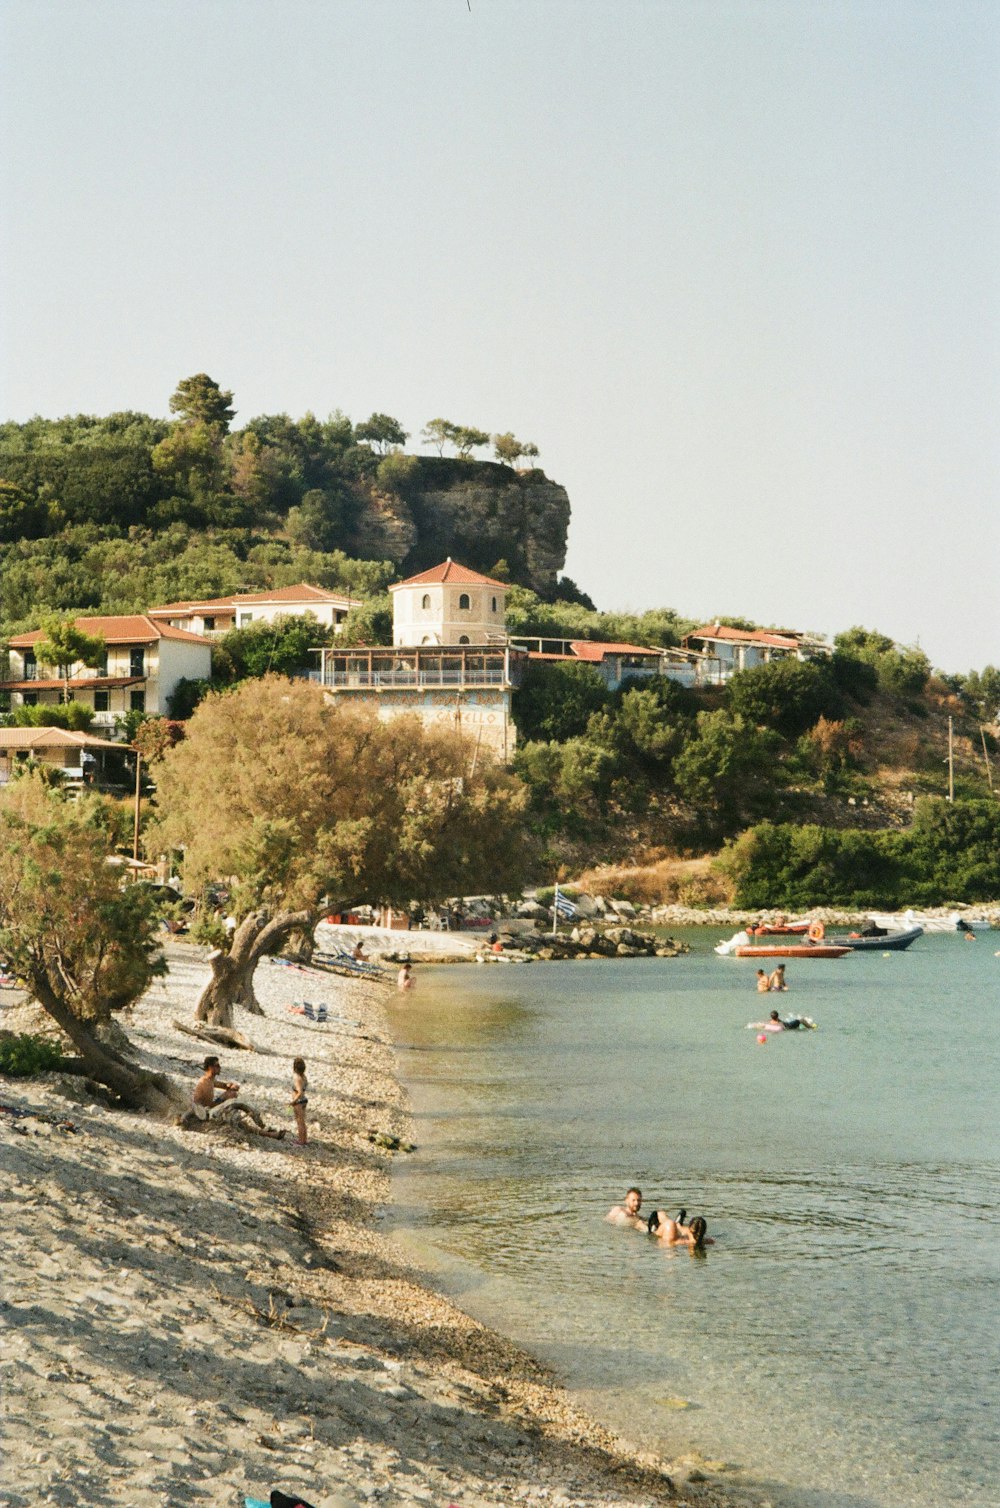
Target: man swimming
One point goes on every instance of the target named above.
(627, 1213)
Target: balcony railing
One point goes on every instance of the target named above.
(362, 680)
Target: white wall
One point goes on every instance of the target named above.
(442, 621)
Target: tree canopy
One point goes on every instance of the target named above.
(86, 945)
(200, 400)
(304, 803)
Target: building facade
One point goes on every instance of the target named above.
(143, 662)
(217, 615)
(450, 663)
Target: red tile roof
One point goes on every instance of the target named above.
(133, 628)
(50, 738)
(722, 631)
(455, 575)
(302, 593)
(76, 683)
(592, 649)
(219, 603)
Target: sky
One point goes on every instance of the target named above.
(733, 267)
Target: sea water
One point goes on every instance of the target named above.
(840, 1343)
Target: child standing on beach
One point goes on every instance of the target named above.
(299, 1100)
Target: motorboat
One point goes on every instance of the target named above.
(743, 946)
(881, 942)
(955, 921)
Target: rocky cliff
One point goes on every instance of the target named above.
(478, 512)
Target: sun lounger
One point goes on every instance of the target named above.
(341, 959)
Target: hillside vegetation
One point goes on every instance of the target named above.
(119, 513)
(809, 775)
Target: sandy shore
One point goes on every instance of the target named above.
(189, 1317)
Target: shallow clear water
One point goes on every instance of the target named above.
(840, 1341)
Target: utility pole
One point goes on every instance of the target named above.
(951, 759)
(135, 826)
(986, 756)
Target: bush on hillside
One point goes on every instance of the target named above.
(950, 854)
(901, 672)
(727, 769)
(555, 701)
(787, 695)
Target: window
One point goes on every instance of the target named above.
(246, 618)
(425, 600)
(463, 639)
(494, 604)
(102, 701)
(463, 603)
(137, 660)
(30, 699)
(137, 701)
(209, 624)
(102, 668)
(30, 665)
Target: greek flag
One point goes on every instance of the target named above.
(563, 906)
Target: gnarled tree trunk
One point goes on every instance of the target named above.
(135, 1088)
(231, 983)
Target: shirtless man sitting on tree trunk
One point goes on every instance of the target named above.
(209, 1104)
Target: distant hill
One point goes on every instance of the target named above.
(113, 513)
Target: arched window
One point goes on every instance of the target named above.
(463, 639)
(425, 600)
(463, 603)
(494, 604)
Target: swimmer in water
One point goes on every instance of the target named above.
(763, 982)
(627, 1213)
(777, 979)
(676, 1233)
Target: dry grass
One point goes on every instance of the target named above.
(665, 882)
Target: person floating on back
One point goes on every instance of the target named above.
(676, 1233)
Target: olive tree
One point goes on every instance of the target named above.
(85, 944)
(302, 804)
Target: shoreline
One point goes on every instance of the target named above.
(194, 1316)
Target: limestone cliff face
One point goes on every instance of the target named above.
(477, 512)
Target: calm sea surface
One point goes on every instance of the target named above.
(841, 1341)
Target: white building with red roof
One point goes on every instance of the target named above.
(742, 649)
(216, 615)
(450, 662)
(449, 604)
(143, 662)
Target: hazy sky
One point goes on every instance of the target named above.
(734, 267)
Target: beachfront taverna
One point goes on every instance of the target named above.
(450, 660)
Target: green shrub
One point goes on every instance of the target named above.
(787, 695)
(24, 1055)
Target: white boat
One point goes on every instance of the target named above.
(955, 921)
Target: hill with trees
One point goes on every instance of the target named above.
(114, 514)
(783, 764)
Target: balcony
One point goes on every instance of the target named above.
(417, 669)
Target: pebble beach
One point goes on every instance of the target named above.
(194, 1317)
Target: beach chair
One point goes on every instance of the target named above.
(314, 1012)
(341, 959)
